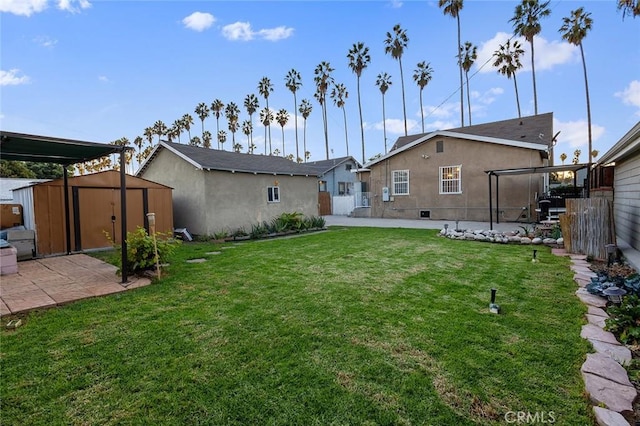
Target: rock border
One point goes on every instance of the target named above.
(501, 237)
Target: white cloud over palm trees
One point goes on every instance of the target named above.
(631, 94)
(199, 21)
(12, 78)
(242, 31)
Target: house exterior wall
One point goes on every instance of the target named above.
(340, 174)
(424, 162)
(627, 200)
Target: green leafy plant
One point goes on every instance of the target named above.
(141, 253)
(624, 320)
(556, 232)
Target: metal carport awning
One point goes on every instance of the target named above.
(46, 149)
(524, 171)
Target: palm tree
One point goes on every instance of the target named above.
(469, 54)
(222, 138)
(563, 157)
(187, 122)
(574, 29)
(422, 76)
(148, 134)
(293, 81)
(173, 132)
(266, 118)
(282, 117)
(251, 105)
(508, 62)
(453, 8)
(359, 59)
(323, 80)
(576, 156)
(217, 107)
(265, 87)
(178, 125)
(631, 7)
(305, 110)
(383, 81)
(138, 141)
(526, 23)
(247, 129)
(339, 94)
(395, 45)
(159, 128)
(202, 111)
(232, 112)
(206, 139)
(195, 141)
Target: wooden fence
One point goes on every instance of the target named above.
(588, 226)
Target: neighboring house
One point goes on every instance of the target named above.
(443, 174)
(624, 159)
(336, 179)
(217, 190)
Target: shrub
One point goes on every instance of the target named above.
(140, 250)
(624, 320)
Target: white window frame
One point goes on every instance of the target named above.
(450, 180)
(397, 183)
(273, 194)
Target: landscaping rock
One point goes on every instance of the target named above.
(614, 396)
(536, 241)
(592, 310)
(591, 299)
(525, 240)
(618, 353)
(604, 366)
(593, 332)
(560, 241)
(605, 417)
(549, 241)
(196, 260)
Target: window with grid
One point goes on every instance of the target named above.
(273, 194)
(451, 180)
(401, 182)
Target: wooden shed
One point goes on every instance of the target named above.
(94, 204)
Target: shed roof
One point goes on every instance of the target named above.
(325, 166)
(215, 159)
(103, 179)
(534, 129)
(35, 148)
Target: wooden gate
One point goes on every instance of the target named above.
(587, 226)
(324, 203)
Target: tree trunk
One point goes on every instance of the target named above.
(361, 128)
(533, 74)
(586, 89)
(466, 74)
(421, 111)
(515, 84)
(460, 69)
(404, 107)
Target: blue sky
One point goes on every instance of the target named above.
(102, 70)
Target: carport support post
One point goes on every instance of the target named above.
(67, 221)
(123, 214)
(490, 205)
(497, 198)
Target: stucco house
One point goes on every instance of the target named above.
(623, 160)
(215, 190)
(336, 184)
(443, 174)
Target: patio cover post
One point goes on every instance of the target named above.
(123, 215)
(497, 199)
(67, 220)
(490, 205)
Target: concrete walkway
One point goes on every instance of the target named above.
(53, 281)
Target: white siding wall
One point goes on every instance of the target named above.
(343, 205)
(627, 200)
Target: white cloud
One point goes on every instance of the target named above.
(243, 31)
(103, 78)
(396, 125)
(23, 7)
(275, 34)
(631, 94)
(70, 5)
(199, 21)
(443, 111)
(575, 134)
(11, 78)
(548, 54)
(45, 41)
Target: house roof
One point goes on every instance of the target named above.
(626, 146)
(444, 133)
(34, 148)
(215, 159)
(534, 129)
(324, 166)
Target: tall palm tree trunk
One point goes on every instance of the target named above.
(304, 140)
(283, 153)
(326, 132)
(421, 111)
(346, 135)
(384, 127)
(361, 127)
(295, 121)
(533, 74)
(460, 69)
(515, 84)
(466, 75)
(269, 127)
(586, 89)
(404, 106)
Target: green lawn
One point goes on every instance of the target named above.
(348, 326)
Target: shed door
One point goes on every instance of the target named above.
(98, 211)
(324, 203)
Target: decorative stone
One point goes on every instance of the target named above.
(196, 260)
(596, 320)
(480, 237)
(525, 240)
(536, 241)
(469, 236)
(618, 353)
(593, 332)
(560, 241)
(514, 239)
(607, 368)
(591, 299)
(549, 241)
(605, 417)
(614, 396)
(592, 310)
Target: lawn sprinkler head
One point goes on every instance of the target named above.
(493, 308)
(534, 259)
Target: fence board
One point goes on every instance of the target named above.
(587, 226)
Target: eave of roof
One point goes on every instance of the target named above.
(629, 143)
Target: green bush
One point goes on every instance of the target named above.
(140, 250)
(624, 320)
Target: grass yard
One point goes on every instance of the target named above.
(349, 326)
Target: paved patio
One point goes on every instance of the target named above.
(54, 281)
